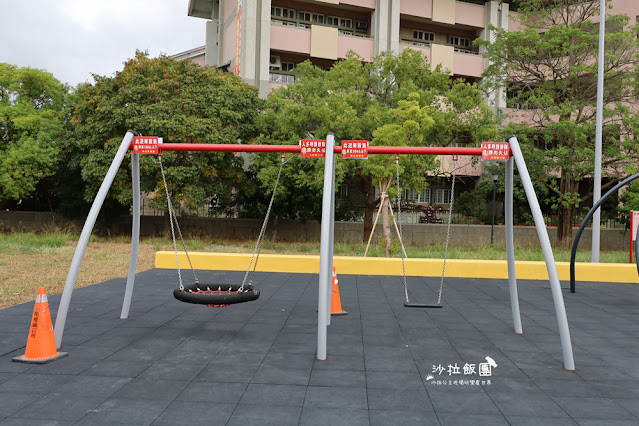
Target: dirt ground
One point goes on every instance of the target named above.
(22, 274)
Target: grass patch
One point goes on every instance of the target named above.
(30, 242)
(30, 260)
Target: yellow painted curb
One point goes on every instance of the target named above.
(455, 268)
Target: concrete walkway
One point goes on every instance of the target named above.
(253, 364)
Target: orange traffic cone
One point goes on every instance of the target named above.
(41, 342)
(336, 302)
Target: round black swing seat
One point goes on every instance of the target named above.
(216, 294)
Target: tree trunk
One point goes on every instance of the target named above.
(566, 214)
(386, 231)
(167, 225)
(367, 191)
(274, 233)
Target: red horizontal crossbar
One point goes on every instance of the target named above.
(424, 150)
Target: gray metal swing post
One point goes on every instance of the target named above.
(135, 235)
(542, 233)
(326, 248)
(331, 234)
(510, 247)
(63, 309)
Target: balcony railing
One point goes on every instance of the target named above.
(281, 78)
(466, 52)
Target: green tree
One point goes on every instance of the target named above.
(32, 102)
(179, 101)
(396, 100)
(549, 69)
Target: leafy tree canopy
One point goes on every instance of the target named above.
(549, 70)
(179, 101)
(32, 105)
(394, 101)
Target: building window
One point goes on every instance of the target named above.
(420, 197)
(424, 196)
(409, 195)
(423, 35)
(517, 98)
(335, 21)
(459, 42)
(317, 18)
(343, 191)
(276, 11)
(361, 25)
(442, 196)
(288, 13)
(288, 66)
(345, 23)
(305, 16)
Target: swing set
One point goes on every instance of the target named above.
(407, 301)
(218, 295)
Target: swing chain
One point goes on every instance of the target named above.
(399, 219)
(450, 216)
(173, 216)
(258, 245)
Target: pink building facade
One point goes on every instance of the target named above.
(263, 40)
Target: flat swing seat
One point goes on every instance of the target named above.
(216, 295)
(421, 305)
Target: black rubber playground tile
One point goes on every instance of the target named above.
(126, 411)
(334, 416)
(59, 406)
(403, 418)
(451, 419)
(195, 413)
(174, 363)
(340, 378)
(264, 415)
(13, 402)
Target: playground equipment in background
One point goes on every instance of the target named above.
(327, 226)
(587, 219)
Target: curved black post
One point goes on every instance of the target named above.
(586, 220)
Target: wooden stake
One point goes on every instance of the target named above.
(397, 229)
(381, 204)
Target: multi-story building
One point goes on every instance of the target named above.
(263, 40)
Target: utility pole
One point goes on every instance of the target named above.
(596, 195)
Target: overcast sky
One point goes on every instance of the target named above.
(74, 38)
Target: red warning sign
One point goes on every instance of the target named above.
(146, 144)
(495, 151)
(313, 148)
(355, 149)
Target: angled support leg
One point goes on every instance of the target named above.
(560, 308)
(326, 249)
(510, 247)
(63, 309)
(135, 235)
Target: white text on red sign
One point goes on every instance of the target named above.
(312, 148)
(146, 144)
(495, 151)
(355, 149)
